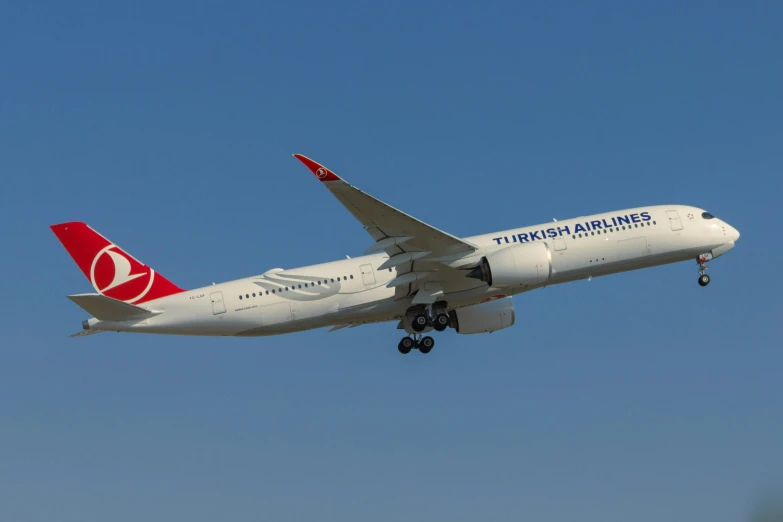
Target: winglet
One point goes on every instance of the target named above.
(321, 172)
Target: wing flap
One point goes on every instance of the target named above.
(108, 309)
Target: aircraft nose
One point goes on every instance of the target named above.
(734, 233)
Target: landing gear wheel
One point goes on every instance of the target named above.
(704, 280)
(419, 323)
(426, 344)
(441, 322)
(405, 346)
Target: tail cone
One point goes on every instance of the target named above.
(482, 272)
(476, 273)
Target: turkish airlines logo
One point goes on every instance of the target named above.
(321, 173)
(117, 275)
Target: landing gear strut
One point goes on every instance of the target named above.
(704, 279)
(423, 344)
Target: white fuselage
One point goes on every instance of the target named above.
(353, 291)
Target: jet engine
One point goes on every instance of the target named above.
(523, 264)
(483, 317)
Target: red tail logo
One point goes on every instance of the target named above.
(112, 272)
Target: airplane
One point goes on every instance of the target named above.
(423, 278)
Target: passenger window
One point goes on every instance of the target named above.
(351, 276)
(240, 297)
(254, 294)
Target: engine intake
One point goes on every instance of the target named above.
(519, 265)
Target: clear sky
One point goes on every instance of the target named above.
(169, 127)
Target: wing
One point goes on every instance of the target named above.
(393, 231)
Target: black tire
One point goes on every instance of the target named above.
(419, 323)
(426, 344)
(405, 346)
(441, 322)
(704, 280)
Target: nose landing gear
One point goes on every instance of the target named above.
(423, 344)
(704, 279)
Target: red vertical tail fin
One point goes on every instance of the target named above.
(113, 272)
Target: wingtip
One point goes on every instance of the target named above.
(320, 172)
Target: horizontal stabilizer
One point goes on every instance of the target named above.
(85, 333)
(338, 327)
(107, 309)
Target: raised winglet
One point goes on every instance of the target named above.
(321, 172)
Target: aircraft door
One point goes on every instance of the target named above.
(367, 275)
(674, 219)
(218, 305)
(559, 243)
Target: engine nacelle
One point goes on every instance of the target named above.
(524, 264)
(484, 317)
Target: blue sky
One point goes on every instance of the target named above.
(170, 128)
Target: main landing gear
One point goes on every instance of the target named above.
(419, 320)
(440, 322)
(704, 279)
(423, 344)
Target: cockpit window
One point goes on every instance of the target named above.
(707, 215)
